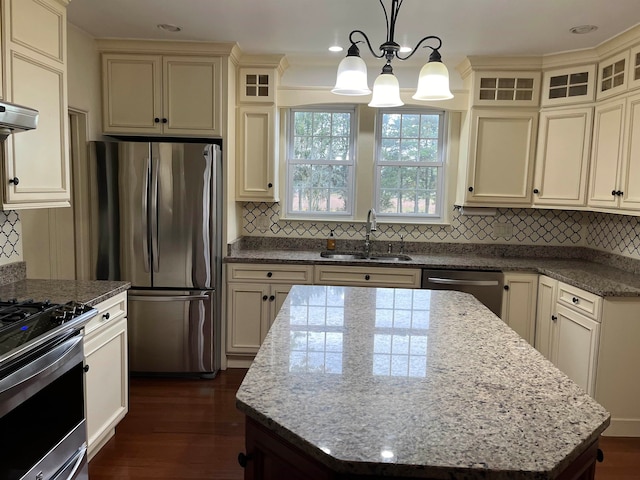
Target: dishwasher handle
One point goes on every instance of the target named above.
(475, 283)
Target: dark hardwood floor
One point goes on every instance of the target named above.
(190, 429)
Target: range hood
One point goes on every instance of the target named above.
(16, 118)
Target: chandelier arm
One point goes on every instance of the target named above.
(391, 29)
(429, 37)
(386, 18)
(353, 42)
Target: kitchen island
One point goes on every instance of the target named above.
(396, 383)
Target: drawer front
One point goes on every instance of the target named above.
(368, 276)
(580, 301)
(108, 311)
(293, 274)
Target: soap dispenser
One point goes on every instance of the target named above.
(331, 242)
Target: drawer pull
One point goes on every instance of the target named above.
(106, 316)
(554, 318)
(270, 274)
(367, 277)
(575, 300)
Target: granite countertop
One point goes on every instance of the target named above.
(415, 383)
(90, 292)
(593, 277)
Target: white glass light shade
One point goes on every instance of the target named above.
(386, 92)
(433, 82)
(352, 77)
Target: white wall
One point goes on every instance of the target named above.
(84, 78)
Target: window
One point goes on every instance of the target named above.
(409, 163)
(320, 162)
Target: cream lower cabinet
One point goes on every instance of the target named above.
(497, 167)
(519, 303)
(107, 378)
(254, 296)
(545, 314)
(34, 52)
(367, 276)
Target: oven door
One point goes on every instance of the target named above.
(42, 424)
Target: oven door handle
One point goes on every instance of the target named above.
(451, 281)
(71, 469)
(42, 365)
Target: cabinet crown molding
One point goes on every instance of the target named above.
(163, 47)
(276, 61)
(478, 63)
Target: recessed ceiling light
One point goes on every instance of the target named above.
(336, 48)
(581, 29)
(167, 27)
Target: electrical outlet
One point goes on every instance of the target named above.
(263, 223)
(502, 230)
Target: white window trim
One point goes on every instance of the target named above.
(322, 216)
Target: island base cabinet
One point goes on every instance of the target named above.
(270, 457)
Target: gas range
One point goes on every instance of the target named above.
(25, 325)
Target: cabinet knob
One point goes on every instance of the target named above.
(613, 192)
(506, 287)
(367, 277)
(243, 459)
(106, 316)
(536, 191)
(471, 189)
(85, 368)
(619, 193)
(554, 318)
(14, 180)
(156, 120)
(164, 120)
(575, 300)
(269, 274)
(600, 456)
(272, 298)
(264, 298)
(270, 185)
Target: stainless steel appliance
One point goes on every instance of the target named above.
(486, 286)
(42, 422)
(156, 216)
(16, 118)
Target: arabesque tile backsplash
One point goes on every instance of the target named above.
(619, 234)
(10, 246)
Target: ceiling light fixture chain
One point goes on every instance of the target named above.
(433, 81)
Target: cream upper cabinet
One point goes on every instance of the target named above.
(257, 135)
(615, 160)
(568, 86)
(634, 72)
(34, 47)
(519, 303)
(606, 152)
(613, 75)
(162, 95)
(499, 167)
(257, 154)
(562, 157)
(506, 88)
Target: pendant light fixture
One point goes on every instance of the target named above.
(433, 81)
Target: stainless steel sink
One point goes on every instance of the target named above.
(342, 255)
(360, 256)
(391, 257)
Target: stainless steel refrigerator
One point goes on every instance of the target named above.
(156, 222)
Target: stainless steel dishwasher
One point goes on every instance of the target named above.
(486, 286)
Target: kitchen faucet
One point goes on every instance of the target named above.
(371, 227)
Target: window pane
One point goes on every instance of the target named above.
(340, 148)
(391, 125)
(320, 148)
(322, 123)
(341, 124)
(429, 150)
(390, 150)
(410, 126)
(302, 147)
(410, 150)
(430, 126)
(303, 122)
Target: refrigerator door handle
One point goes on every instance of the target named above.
(175, 298)
(154, 207)
(145, 212)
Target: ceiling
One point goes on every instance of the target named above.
(306, 28)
